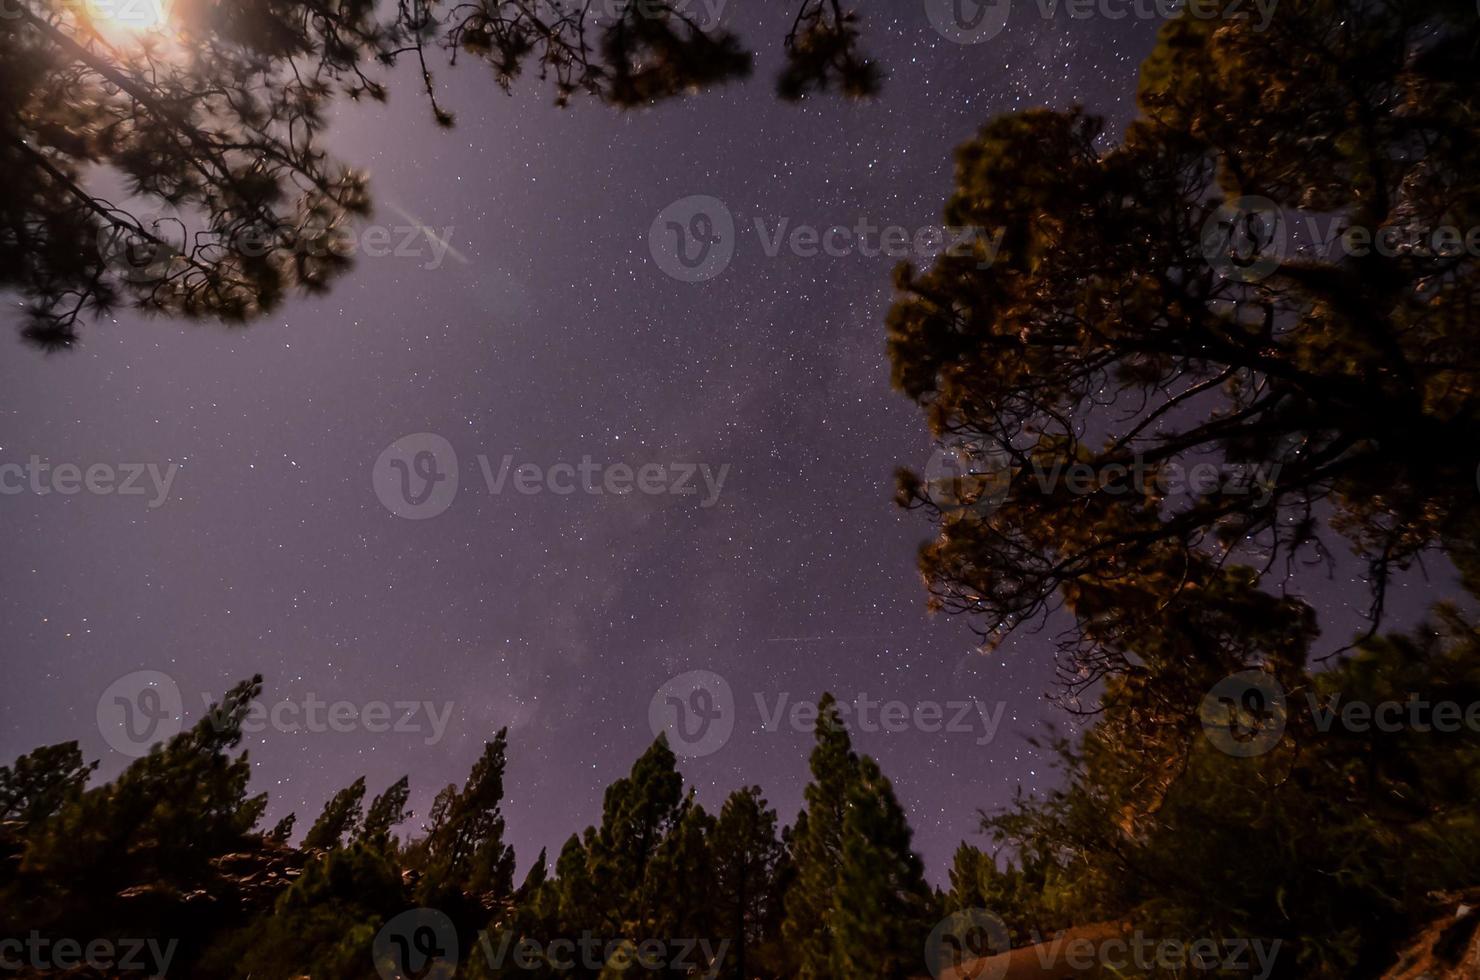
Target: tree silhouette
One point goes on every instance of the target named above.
(748, 860)
(468, 866)
(822, 53)
(40, 783)
(1129, 306)
(386, 811)
(340, 820)
(858, 905)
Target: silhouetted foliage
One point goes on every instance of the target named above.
(42, 782)
(822, 53)
(1335, 842)
(386, 811)
(211, 125)
(858, 905)
(340, 820)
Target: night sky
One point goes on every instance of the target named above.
(548, 333)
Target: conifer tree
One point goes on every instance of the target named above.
(882, 908)
(160, 823)
(818, 848)
(678, 887)
(638, 812)
(747, 860)
(538, 874)
(386, 811)
(41, 782)
(339, 820)
(465, 850)
(283, 829)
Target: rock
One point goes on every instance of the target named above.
(1448, 948)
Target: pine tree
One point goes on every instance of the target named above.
(386, 811)
(465, 850)
(160, 823)
(747, 857)
(638, 812)
(283, 829)
(882, 909)
(818, 848)
(965, 877)
(41, 782)
(538, 874)
(678, 884)
(339, 819)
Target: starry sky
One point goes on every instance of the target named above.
(548, 333)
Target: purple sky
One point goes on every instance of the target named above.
(548, 332)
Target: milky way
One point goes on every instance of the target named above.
(533, 327)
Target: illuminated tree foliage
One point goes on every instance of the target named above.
(1140, 311)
